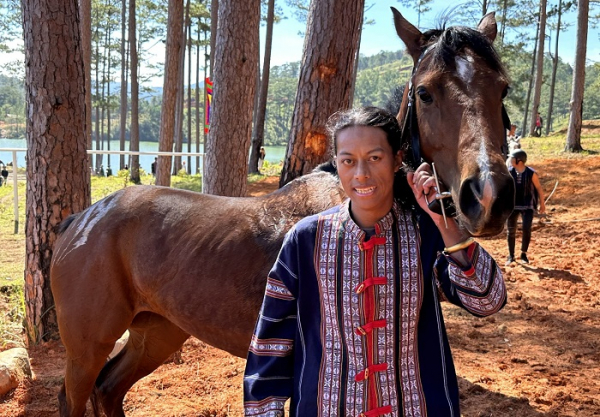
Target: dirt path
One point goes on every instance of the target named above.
(540, 356)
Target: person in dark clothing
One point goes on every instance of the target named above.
(351, 323)
(528, 193)
(153, 167)
(4, 175)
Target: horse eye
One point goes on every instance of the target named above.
(424, 95)
(505, 92)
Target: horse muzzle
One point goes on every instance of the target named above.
(485, 202)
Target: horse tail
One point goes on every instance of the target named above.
(97, 410)
(64, 225)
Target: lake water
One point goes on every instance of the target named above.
(274, 154)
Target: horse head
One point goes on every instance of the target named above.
(452, 115)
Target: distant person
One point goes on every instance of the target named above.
(183, 166)
(538, 125)
(4, 175)
(528, 192)
(261, 157)
(153, 167)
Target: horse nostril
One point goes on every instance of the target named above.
(470, 196)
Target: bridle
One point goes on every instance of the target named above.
(411, 138)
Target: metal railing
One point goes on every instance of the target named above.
(90, 152)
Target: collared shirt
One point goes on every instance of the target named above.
(350, 327)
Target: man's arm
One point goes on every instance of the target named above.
(538, 186)
(268, 379)
(479, 287)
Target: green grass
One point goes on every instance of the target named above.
(553, 146)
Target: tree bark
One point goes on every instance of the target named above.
(326, 77)
(261, 109)
(58, 176)
(539, 70)
(235, 60)
(134, 137)
(171, 87)
(575, 119)
(554, 70)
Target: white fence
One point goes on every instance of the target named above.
(90, 152)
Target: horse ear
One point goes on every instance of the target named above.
(488, 26)
(410, 35)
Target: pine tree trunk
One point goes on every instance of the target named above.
(97, 107)
(261, 109)
(123, 109)
(575, 119)
(134, 139)
(171, 87)
(199, 121)
(189, 87)
(554, 70)
(235, 60)
(109, 72)
(58, 175)
(214, 18)
(529, 86)
(179, 105)
(85, 13)
(503, 24)
(539, 69)
(325, 82)
(103, 96)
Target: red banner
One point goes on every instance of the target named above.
(208, 85)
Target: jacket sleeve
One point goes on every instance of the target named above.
(268, 378)
(479, 288)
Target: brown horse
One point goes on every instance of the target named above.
(166, 264)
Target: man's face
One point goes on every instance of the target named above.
(366, 166)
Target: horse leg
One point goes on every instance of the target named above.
(152, 339)
(81, 372)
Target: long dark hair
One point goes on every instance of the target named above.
(384, 120)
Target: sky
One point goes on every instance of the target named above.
(381, 36)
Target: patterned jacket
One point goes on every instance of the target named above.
(350, 327)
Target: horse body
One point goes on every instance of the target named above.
(165, 264)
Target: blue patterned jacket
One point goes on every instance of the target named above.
(350, 327)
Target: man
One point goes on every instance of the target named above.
(528, 193)
(351, 322)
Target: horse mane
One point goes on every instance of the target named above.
(326, 167)
(64, 225)
(447, 43)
